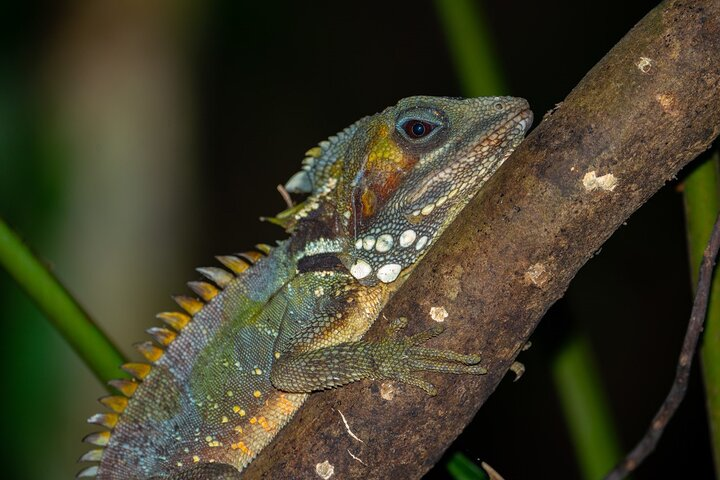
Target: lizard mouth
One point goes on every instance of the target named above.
(469, 170)
(524, 119)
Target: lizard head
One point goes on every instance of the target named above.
(399, 178)
(410, 170)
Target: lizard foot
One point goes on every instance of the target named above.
(401, 359)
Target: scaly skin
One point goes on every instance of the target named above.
(380, 194)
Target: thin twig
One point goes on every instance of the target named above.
(285, 196)
(695, 327)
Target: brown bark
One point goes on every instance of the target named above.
(642, 113)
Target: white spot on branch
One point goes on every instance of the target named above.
(387, 391)
(439, 314)
(667, 103)
(644, 64)
(537, 275)
(324, 470)
(607, 182)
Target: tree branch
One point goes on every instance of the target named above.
(641, 114)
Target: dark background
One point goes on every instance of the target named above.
(237, 91)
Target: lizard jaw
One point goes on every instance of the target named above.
(469, 171)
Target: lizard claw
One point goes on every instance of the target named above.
(402, 359)
(518, 369)
(428, 387)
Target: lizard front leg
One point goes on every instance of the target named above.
(388, 359)
(319, 352)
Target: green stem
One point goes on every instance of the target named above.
(58, 305)
(702, 203)
(576, 376)
(583, 402)
(471, 47)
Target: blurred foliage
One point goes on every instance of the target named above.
(585, 407)
(31, 189)
(471, 46)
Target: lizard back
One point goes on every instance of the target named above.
(209, 398)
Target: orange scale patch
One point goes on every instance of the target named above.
(242, 447)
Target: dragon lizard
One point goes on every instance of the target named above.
(224, 376)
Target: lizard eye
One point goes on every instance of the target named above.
(417, 128)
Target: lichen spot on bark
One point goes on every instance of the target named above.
(438, 314)
(644, 64)
(387, 391)
(667, 103)
(607, 182)
(537, 275)
(324, 470)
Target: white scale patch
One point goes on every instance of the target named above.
(360, 269)
(407, 238)
(388, 273)
(384, 243)
(421, 243)
(368, 242)
(323, 245)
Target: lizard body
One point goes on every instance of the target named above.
(227, 375)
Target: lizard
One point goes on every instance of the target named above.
(224, 375)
